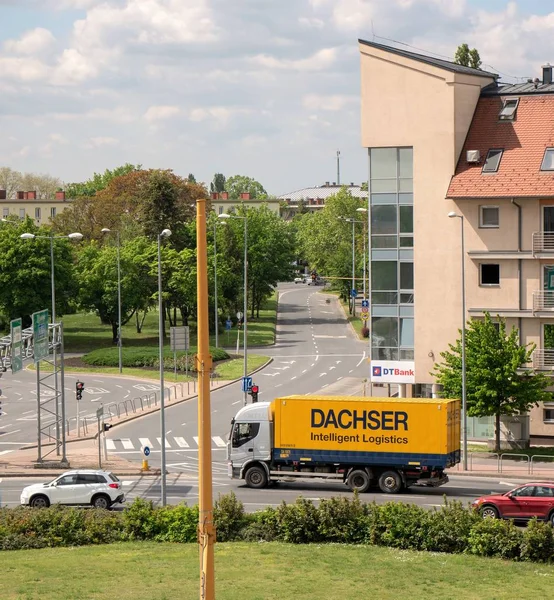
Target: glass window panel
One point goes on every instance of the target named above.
(406, 242)
(383, 163)
(489, 216)
(406, 311)
(384, 298)
(406, 298)
(406, 185)
(407, 332)
(383, 199)
(383, 219)
(492, 162)
(490, 274)
(406, 198)
(548, 160)
(385, 332)
(384, 241)
(406, 254)
(383, 185)
(405, 157)
(384, 275)
(384, 353)
(406, 276)
(385, 311)
(406, 219)
(406, 355)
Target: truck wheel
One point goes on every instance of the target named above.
(358, 481)
(256, 477)
(390, 482)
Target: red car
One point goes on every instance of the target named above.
(523, 502)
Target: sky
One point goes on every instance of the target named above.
(264, 88)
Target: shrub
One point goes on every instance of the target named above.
(340, 519)
(365, 332)
(448, 528)
(146, 356)
(264, 526)
(229, 518)
(538, 542)
(402, 525)
(140, 520)
(491, 537)
(299, 522)
(177, 524)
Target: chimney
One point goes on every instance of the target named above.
(547, 73)
(2, 194)
(326, 184)
(351, 184)
(245, 196)
(215, 195)
(60, 195)
(31, 195)
(224, 195)
(334, 183)
(20, 196)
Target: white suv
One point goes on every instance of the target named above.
(100, 489)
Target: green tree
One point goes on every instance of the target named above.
(240, 184)
(466, 57)
(218, 183)
(98, 181)
(191, 178)
(25, 271)
(497, 379)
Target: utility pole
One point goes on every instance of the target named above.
(338, 167)
(206, 528)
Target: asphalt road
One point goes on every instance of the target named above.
(18, 423)
(315, 352)
(183, 487)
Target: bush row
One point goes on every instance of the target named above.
(451, 528)
(144, 356)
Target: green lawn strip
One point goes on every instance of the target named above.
(542, 451)
(225, 371)
(356, 322)
(84, 332)
(268, 571)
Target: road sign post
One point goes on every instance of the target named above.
(179, 338)
(246, 384)
(17, 345)
(146, 452)
(40, 335)
(99, 413)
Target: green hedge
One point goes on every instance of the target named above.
(451, 528)
(145, 356)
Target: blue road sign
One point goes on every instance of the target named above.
(365, 303)
(228, 324)
(246, 383)
(353, 293)
(146, 451)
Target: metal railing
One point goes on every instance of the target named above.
(543, 241)
(543, 359)
(543, 301)
(499, 460)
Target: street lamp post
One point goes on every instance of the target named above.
(245, 309)
(454, 215)
(354, 221)
(164, 234)
(77, 237)
(364, 210)
(119, 340)
(216, 312)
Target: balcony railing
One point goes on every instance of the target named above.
(543, 360)
(543, 241)
(543, 301)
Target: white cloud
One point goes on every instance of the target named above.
(32, 42)
(22, 69)
(331, 103)
(160, 113)
(99, 142)
(318, 61)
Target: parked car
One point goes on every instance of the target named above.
(522, 503)
(299, 280)
(100, 489)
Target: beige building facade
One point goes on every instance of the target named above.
(434, 131)
(26, 204)
(221, 203)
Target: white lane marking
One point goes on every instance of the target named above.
(236, 402)
(127, 444)
(361, 359)
(304, 370)
(10, 432)
(322, 374)
(27, 412)
(330, 337)
(270, 374)
(196, 440)
(312, 364)
(126, 396)
(324, 385)
(167, 444)
(510, 484)
(351, 370)
(331, 368)
(145, 442)
(292, 378)
(5, 452)
(110, 445)
(316, 357)
(218, 441)
(119, 386)
(278, 385)
(16, 443)
(338, 362)
(181, 442)
(339, 378)
(96, 399)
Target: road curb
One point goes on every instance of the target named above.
(528, 477)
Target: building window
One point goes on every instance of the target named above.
(221, 210)
(21, 213)
(5, 212)
(37, 213)
(52, 212)
(492, 162)
(548, 415)
(489, 217)
(489, 274)
(548, 160)
(508, 112)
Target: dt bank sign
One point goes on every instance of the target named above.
(392, 371)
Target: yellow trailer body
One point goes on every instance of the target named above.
(395, 431)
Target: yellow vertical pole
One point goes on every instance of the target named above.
(206, 528)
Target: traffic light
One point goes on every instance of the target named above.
(107, 426)
(254, 392)
(79, 387)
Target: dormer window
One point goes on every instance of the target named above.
(548, 160)
(508, 112)
(492, 162)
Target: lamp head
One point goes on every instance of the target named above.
(77, 237)
(27, 236)
(453, 215)
(361, 209)
(105, 230)
(165, 233)
(224, 216)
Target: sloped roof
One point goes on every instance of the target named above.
(524, 141)
(322, 193)
(430, 60)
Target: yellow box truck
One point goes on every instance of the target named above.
(390, 443)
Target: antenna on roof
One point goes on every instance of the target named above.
(338, 167)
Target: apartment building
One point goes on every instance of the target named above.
(314, 198)
(27, 204)
(221, 203)
(445, 138)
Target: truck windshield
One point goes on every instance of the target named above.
(243, 433)
(232, 427)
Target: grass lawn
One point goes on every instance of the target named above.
(356, 322)
(83, 332)
(542, 451)
(266, 572)
(227, 370)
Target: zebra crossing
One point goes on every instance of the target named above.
(155, 444)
